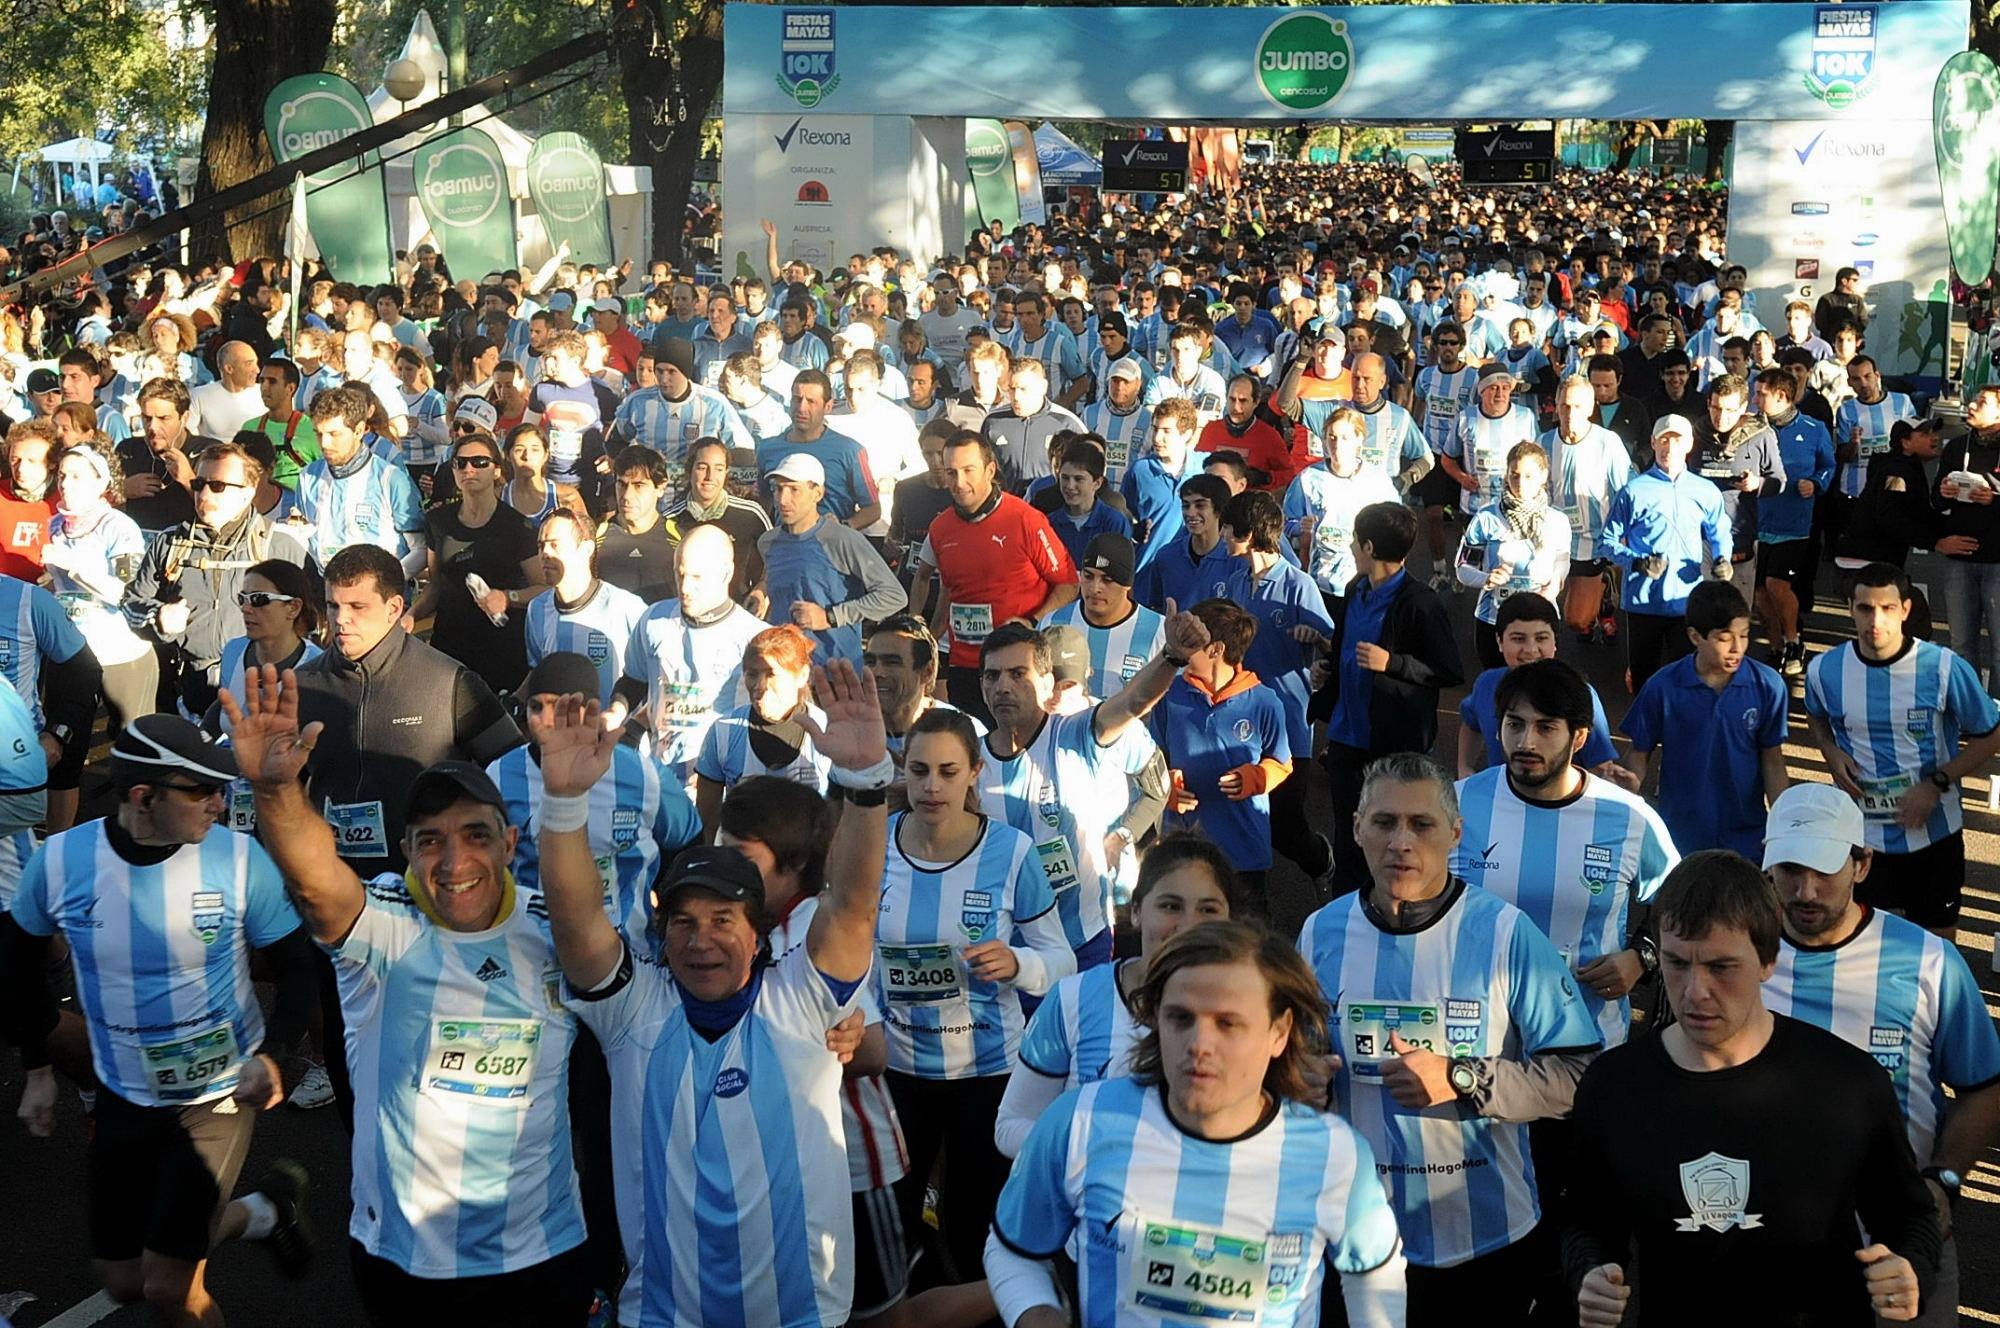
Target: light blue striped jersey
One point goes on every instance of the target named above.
(1207, 391)
(1065, 791)
(1904, 996)
(1874, 422)
(729, 1155)
(640, 816)
(107, 554)
(1490, 539)
(1446, 396)
(691, 673)
(728, 758)
(1480, 445)
(1119, 651)
(1056, 350)
(230, 674)
(943, 1023)
(162, 955)
(1574, 868)
(458, 1045)
(1479, 980)
(1331, 502)
(1900, 719)
(599, 629)
(1169, 1228)
(428, 440)
(1390, 440)
(33, 627)
(876, 1152)
(1083, 1031)
(1127, 437)
(1584, 477)
(376, 503)
(670, 427)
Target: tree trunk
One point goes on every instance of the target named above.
(1631, 133)
(665, 130)
(1986, 28)
(1716, 136)
(258, 45)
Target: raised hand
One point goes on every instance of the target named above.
(1185, 634)
(575, 746)
(264, 732)
(853, 737)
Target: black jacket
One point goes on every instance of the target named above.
(1981, 456)
(390, 715)
(1883, 525)
(1423, 660)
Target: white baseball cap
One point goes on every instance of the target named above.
(1812, 825)
(478, 410)
(1126, 368)
(802, 469)
(607, 305)
(1667, 424)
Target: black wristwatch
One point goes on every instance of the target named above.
(62, 733)
(1940, 780)
(1947, 1180)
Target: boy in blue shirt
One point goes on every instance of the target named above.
(1223, 734)
(1526, 624)
(1786, 549)
(1195, 564)
(1722, 717)
(1082, 515)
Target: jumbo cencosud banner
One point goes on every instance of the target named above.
(566, 181)
(347, 209)
(462, 184)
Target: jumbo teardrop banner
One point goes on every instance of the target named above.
(462, 183)
(566, 180)
(349, 219)
(1968, 160)
(989, 159)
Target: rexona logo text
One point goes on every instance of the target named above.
(1304, 61)
(462, 185)
(987, 151)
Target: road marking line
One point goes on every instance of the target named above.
(99, 1307)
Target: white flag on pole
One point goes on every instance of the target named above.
(297, 238)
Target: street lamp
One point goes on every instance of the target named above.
(404, 80)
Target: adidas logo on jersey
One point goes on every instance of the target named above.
(490, 970)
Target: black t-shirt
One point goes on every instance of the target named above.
(495, 551)
(174, 503)
(642, 564)
(1740, 1187)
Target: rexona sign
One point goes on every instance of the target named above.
(566, 181)
(1304, 61)
(462, 183)
(346, 209)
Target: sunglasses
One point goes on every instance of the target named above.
(194, 792)
(262, 599)
(471, 462)
(216, 486)
(464, 426)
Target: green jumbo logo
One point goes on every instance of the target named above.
(462, 184)
(1304, 61)
(987, 151)
(315, 119)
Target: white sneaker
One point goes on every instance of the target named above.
(314, 1090)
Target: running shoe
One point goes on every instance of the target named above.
(291, 1240)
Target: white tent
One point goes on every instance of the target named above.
(80, 158)
(631, 186)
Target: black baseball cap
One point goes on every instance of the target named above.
(1112, 554)
(564, 673)
(720, 871)
(461, 779)
(1114, 321)
(153, 747)
(44, 380)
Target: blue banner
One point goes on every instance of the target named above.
(1778, 61)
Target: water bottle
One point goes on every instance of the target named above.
(476, 586)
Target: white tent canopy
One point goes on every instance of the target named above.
(631, 187)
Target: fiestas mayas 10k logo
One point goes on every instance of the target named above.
(805, 56)
(1304, 61)
(1843, 53)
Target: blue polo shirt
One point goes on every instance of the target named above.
(1282, 599)
(1205, 738)
(1153, 497)
(1076, 536)
(850, 484)
(1367, 611)
(1477, 711)
(1176, 574)
(1711, 785)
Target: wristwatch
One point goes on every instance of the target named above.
(1947, 1179)
(1940, 780)
(1464, 1078)
(1649, 954)
(62, 733)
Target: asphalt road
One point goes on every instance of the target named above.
(42, 1219)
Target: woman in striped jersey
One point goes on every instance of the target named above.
(968, 924)
(765, 737)
(1084, 1031)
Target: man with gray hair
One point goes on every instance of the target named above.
(220, 408)
(1449, 1008)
